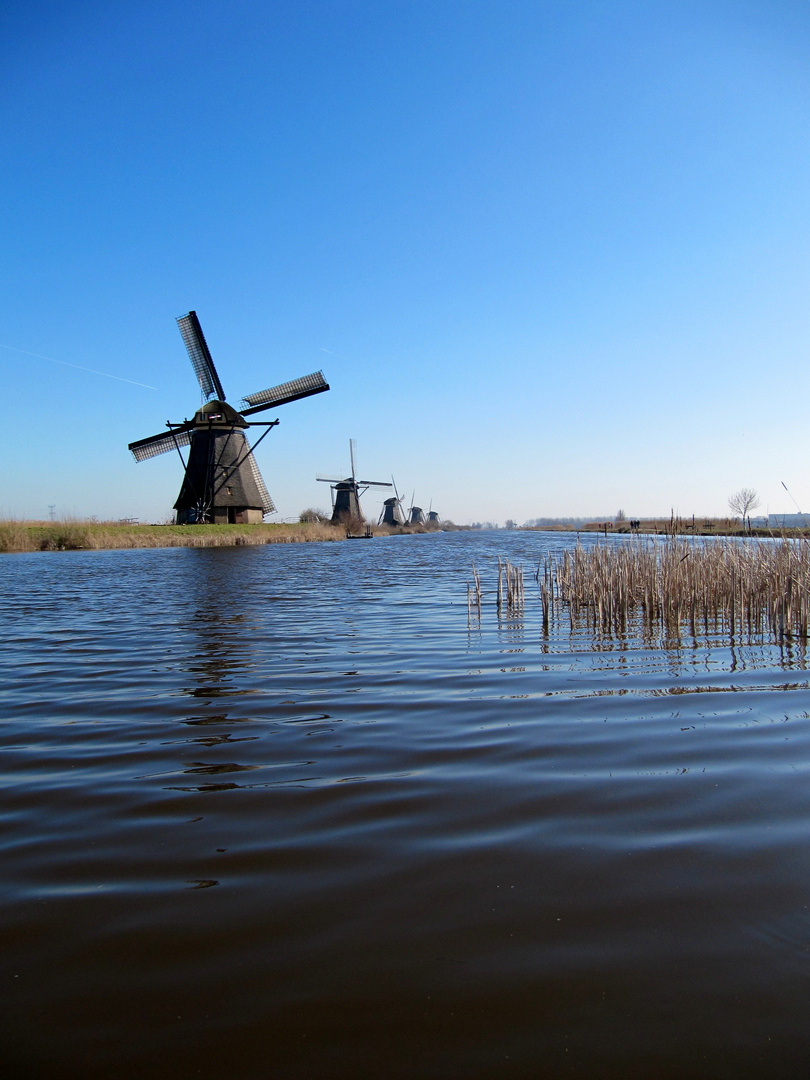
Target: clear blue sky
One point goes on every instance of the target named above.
(553, 258)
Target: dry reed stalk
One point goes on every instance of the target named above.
(474, 591)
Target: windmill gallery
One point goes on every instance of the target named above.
(221, 480)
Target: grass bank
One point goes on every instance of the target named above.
(673, 526)
(70, 535)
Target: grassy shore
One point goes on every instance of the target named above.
(69, 535)
(674, 526)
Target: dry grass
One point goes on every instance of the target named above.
(74, 535)
(69, 535)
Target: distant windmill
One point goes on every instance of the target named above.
(222, 482)
(432, 515)
(416, 515)
(346, 493)
(392, 509)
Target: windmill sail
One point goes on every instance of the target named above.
(200, 356)
(268, 506)
(160, 444)
(284, 393)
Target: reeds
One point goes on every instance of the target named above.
(510, 587)
(668, 585)
(510, 592)
(723, 586)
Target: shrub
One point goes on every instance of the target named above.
(312, 516)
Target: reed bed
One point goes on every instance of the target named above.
(511, 592)
(668, 585)
(723, 586)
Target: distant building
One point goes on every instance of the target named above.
(784, 521)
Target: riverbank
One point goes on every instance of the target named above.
(76, 535)
(673, 526)
(23, 536)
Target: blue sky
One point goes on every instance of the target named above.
(553, 258)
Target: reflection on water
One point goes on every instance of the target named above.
(279, 811)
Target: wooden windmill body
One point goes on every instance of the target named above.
(392, 513)
(416, 515)
(221, 482)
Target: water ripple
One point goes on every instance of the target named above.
(279, 811)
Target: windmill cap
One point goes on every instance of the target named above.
(219, 413)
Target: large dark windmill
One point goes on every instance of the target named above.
(222, 482)
(346, 493)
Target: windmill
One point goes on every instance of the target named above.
(416, 515)
(432, 515)
(222, 482)
(392, 509)
(346, 493)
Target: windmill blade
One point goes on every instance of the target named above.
(285, 393)
(373, 483)
(351, 454)
(268, 506)
(330, 479)
(200, 357)
(394, 486)
(162, 443)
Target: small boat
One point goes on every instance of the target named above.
(367, 535)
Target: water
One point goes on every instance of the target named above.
(278, 812)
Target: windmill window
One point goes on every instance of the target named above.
(229, 490)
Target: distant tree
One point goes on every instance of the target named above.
(311, 514)
(742, 502)
(621, 516)
(510, 524)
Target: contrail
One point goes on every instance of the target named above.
(335, 354)
(78, 367)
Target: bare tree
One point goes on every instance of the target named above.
(742, 502)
